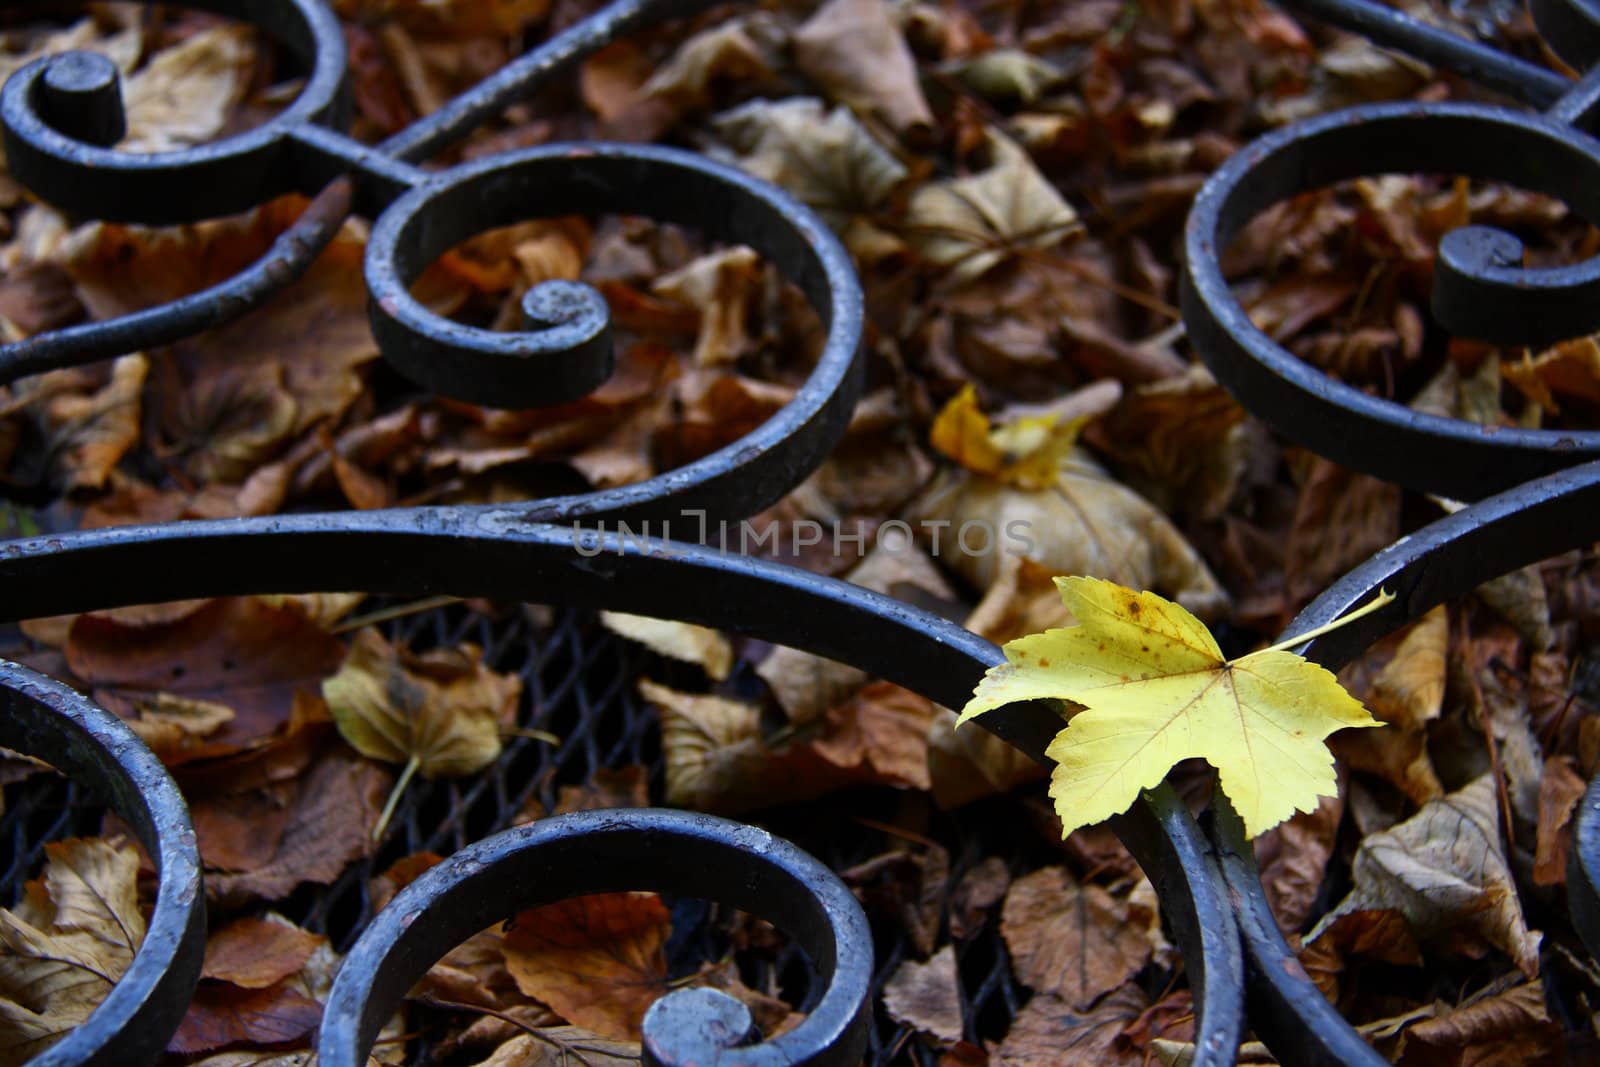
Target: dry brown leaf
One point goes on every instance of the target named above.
(256, 953)
(979, 890)
(971, 225)
(882, 731)
(723, 286)
(71, 937)
(328, 815)
(443, 708)
(1560, 789)
(1519, 598)
(1445, 871)
(1182, 442)
(1570, 369)
(223, 1015)
(237, 652)
(1293, 858)
(86, 421)
(1507, 1028)
(684, 641)
(1341, 518)
(1375, 935)
(1070, 941)
(826, 159)
(927, 996)
(907, 888)
(1049, 1031)
(855, 51)
(1402, 681)
(597, 960)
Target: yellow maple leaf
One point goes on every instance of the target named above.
(1155, 690)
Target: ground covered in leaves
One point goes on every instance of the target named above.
(1011, 180)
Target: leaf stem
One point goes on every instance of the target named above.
(1383, 597)
(394, 796)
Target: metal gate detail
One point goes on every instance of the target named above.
(1535, 493)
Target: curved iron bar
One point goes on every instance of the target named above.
(614, 851)
(1447, 559)
(300, 150)
(43, 718)
(1583, 869)
(1476, 289)
(477, 552)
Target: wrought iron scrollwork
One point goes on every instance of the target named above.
(60, 114)
(51, 133)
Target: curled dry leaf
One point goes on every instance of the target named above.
(722, 286)
(1183, 442)
(1510, 1027)
(68, 941)
(599, 961)
(183, 95)
(1402, 681)
(1342, 517)
(927, 996)
(85, 420)
(1070, 941)
(1080, 522)
(979, 889)
(719, 758)
(970, 225)
(1569, 371)
(826, 159)
(743, 49)
(855, 51)
(1293, 858)
(1049, 1031)
(1445, 871)
(1560, 789)
(684, 641)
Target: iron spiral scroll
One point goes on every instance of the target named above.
(1536, 493)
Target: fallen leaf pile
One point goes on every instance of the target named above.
(1011, 181)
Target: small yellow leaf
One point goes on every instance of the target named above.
(1155, 690)
(1026, 453)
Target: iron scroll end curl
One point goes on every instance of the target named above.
(612, 851)
(1481, 287)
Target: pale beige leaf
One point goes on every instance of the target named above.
(927, 996)
(679, 640)
(826, 159)
(184, 94)
(1445, 871)
(855, 51)
(968, 225)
